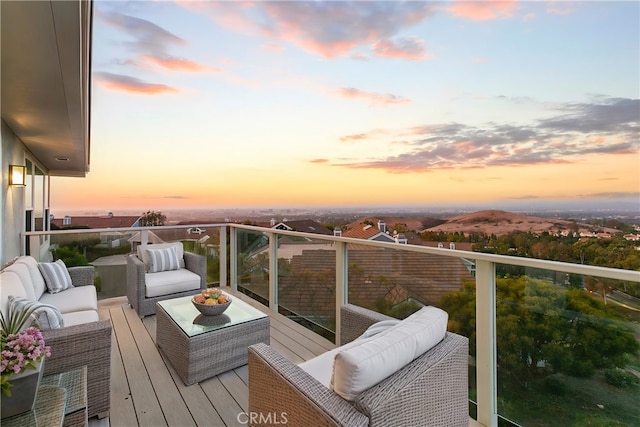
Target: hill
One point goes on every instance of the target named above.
(501, 222)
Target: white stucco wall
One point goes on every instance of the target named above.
(12, 198)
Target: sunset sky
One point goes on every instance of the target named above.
(293, 104)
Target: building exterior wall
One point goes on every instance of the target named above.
(12, 198)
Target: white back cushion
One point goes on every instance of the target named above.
(360, 367)
(37, 281)
(10, 284)
(25, 278)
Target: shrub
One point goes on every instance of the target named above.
(621, 379)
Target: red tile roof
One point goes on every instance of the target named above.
(97, 221)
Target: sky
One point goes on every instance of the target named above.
(213, 104)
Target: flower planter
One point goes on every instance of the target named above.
(24, 391)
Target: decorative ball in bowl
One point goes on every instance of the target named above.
(211, 302)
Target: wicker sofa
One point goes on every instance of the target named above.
(83, 340)
(432, 390)
(145, 288)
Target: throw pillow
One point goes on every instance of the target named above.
(163, 259)
(55, 276)
(46, 316)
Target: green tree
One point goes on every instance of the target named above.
(542, 329)
(153, 218)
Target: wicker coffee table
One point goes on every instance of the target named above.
(201, 347)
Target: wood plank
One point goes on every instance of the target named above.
(224, 403)
(148, 411)
(236, 387)
(122, 412)
(174, 409)
(291, 344)
(243, 373)
(193, 396)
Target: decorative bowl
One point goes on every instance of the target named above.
(208, 295)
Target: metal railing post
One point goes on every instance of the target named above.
(233, 257)
(342, 287)
(222, 256)
(273, 272)
(486, 357)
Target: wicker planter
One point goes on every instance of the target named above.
(24, 391)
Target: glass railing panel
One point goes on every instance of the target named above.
(568, 348)
(397, 282)
(253, 264)
(307, 283)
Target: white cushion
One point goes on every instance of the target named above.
(37, 281)
(78, 298)
(45, 315)
(80, 317)
(55, 276)
(10, 284)
(170, 282)
(362, 366)
(321, 367)
(144, 256)
(378, 327)
(165, 259)
(25, 278)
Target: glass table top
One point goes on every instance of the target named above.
(189, 319)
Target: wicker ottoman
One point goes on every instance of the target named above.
(201, 347)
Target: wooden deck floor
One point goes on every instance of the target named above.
(146, 390)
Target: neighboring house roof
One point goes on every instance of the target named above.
(305, 226)
(97, 221)
(368, 232)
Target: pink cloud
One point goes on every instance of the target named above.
(405, 48)
(273, 47)
(357, 137)
(130, 84)
(483, 10)
(329, 29)
(179, 64)
(375, 99)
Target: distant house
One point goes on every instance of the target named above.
(369, 232)
(107, 221)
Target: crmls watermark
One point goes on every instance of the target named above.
(259, 418)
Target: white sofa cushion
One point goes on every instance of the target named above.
(362, 366)
(55, 276)
(78, 298)
(144, 255)
(11, 285)
(37, 281)
(165, 259)
(170, 282)
(25, 278)
(80, 317)
(321, 367)
(45, 315)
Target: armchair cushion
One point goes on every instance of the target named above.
(170, 282)
(165, 259)
(79, 298)
(55, 276)
(364, 365)
(46, 316)
(37, 281)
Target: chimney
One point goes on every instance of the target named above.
(337, 232)
(452, 245)
(272, 222)
(382, 226)
(66, 220)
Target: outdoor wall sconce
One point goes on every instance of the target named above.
(17, 175)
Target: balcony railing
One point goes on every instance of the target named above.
(538, 333)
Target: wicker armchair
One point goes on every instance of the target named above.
(430, 391)
(136, 285)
